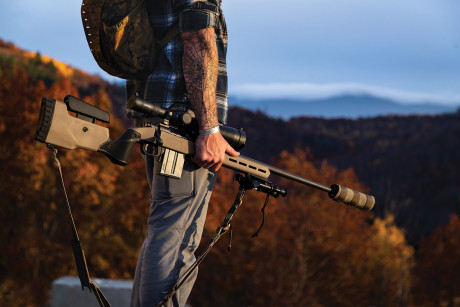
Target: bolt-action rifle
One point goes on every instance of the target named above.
(170, 138)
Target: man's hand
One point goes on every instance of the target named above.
(210, 151)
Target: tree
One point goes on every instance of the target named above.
(437, 271)
(108, 202)
(311, 251)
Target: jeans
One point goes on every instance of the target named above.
(178, 210)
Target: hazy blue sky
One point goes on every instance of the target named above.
(408, 49)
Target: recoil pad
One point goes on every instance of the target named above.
(351, 197)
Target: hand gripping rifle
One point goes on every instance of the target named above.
(171, 138)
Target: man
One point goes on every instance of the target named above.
(191, 70)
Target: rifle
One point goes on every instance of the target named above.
(171, 139)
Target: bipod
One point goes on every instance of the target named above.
(247, 182)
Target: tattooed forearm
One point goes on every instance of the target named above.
(200, 63)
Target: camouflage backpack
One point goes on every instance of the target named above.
(121, 38)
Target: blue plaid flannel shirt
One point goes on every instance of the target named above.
(166, 84)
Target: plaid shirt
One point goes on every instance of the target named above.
(166, 84)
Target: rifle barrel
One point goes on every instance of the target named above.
(248, 165)
(336, 192)
(299, 179)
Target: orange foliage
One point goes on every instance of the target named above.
(109, 202)
(438, 267)
(395, 261)
(311, 251)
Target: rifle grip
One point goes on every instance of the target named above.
(351, 197)
(119, 151)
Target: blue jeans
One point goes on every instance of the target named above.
(178, 210)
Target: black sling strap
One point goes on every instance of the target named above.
(78, 253)
(247, 182)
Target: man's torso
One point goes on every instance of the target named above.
(166, 84)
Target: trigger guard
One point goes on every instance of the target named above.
(149, 150)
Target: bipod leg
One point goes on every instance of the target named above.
(221, 230)
(247, 182)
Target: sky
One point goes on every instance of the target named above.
(400, 49)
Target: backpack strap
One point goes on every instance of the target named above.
(170, 35)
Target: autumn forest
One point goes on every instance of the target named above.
(311, 251)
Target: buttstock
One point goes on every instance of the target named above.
(57, 127)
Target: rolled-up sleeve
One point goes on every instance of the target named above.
(199, 15)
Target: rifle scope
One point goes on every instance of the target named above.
(180, 118)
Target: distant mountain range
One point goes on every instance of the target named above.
(347, 106)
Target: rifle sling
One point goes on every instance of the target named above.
(246, 184)
(78, 252)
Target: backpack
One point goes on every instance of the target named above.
(121, 38)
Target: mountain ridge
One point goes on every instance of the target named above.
(341, 106)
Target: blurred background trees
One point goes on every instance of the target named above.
(36, 232)
(311, 250)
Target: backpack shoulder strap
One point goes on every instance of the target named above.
(170, 35)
